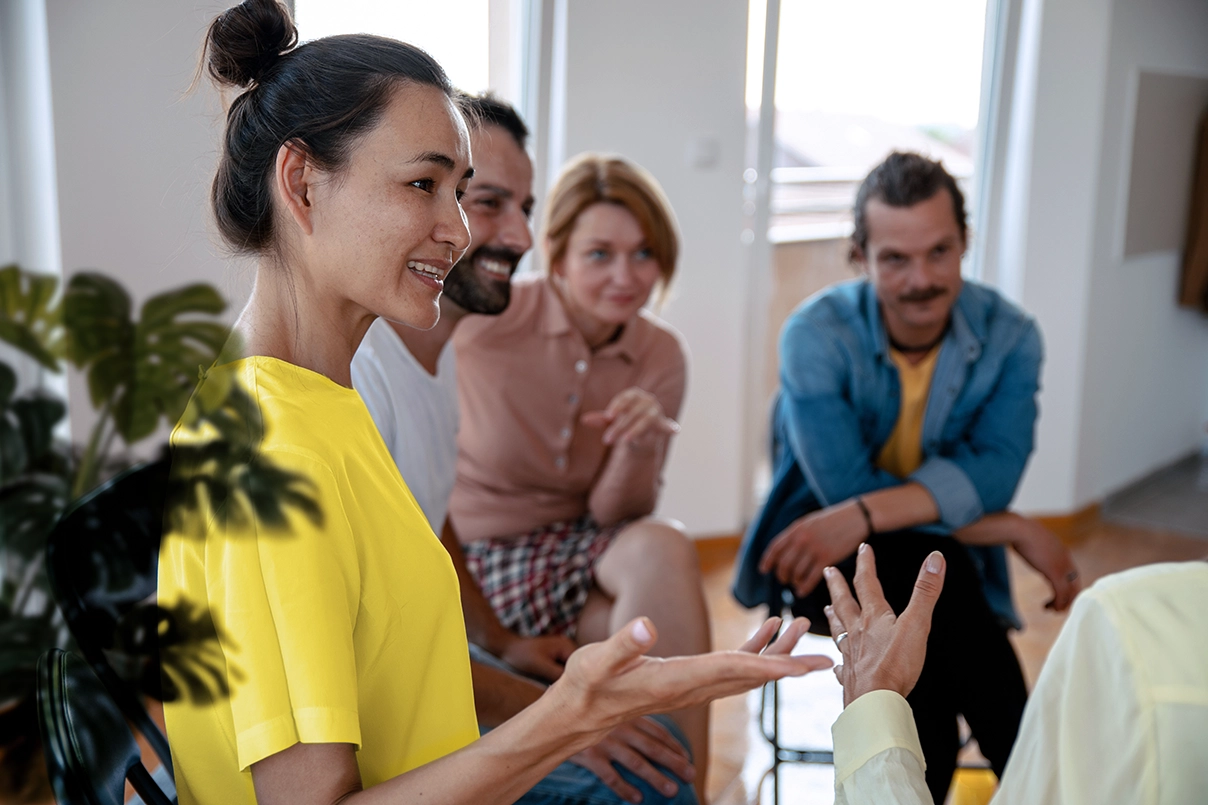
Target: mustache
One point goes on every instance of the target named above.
(923, 294)
(502, 254)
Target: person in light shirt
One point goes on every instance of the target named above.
(1118, 715)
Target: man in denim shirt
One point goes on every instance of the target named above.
(905, 418)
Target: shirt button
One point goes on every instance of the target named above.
(560, 462)
(573, 399)
(565, 433)
(580, 366)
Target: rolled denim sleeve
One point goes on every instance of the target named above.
(980, 474)
(823, 427)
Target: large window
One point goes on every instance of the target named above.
(855, 80)
(454, 32)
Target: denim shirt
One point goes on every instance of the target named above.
(839, 400)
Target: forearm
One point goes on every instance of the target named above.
(499, 695)
(494, 770)
(628, 485)
(482, 624)
(993, 529)
(905, 506)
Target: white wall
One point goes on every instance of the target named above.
(135, 151)
(1147, 359)
(647, 80)
(1125, 371)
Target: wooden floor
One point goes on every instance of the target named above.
(739, 757)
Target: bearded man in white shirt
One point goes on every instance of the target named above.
(408, 380)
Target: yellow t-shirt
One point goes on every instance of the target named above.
(345, 627)
(902, 454)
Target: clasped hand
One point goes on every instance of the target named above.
(798, 554)
(633, 417)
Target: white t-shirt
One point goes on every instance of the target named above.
(415, 412)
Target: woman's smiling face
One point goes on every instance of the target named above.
(608, 271)
(387, 227)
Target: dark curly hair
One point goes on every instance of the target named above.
(903, 180)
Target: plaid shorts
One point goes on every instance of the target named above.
(538, 582)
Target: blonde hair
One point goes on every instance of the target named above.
(595, 178)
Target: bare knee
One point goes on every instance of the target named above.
(660, 547)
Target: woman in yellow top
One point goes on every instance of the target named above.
(343, 652)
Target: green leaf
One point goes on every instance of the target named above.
(168, 351)
(30, 318)
(144, 370)
(38, 413)
(29, 508)
(96, 313)
(13, 455)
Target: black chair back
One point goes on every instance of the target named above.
(103, 561)
(90, 751)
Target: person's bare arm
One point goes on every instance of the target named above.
(606, 684)
(638, 745)
(1037, 545)
(542, 657)
(799, 553)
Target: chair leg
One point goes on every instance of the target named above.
(776, 742)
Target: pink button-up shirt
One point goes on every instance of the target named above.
(524, 378)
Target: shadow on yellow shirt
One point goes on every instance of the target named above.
(340, 623)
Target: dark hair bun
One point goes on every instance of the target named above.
(247, 39)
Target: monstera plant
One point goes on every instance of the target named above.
(140, 373)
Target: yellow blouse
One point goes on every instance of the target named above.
(336, 625)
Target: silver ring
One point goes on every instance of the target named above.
(839, 641)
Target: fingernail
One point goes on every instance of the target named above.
(640, 632)
(669, 789)
(828, 610)
(934, 561)
(828, 571)
(863, 547)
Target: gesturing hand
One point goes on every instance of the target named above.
(798, 554)
(638, 745)
(881, 651)
(542, 657)
(634, 416)
(608, 683)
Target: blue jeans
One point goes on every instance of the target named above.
(574, 785)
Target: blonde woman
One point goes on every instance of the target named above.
(569, 402)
